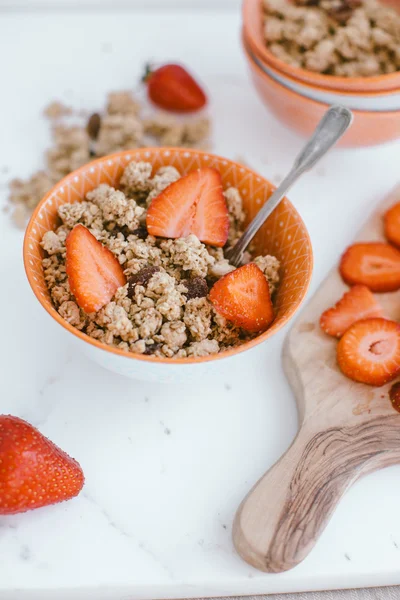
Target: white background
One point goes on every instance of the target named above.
(155, 515)
(113, 4)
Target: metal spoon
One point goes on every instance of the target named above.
(332, 126)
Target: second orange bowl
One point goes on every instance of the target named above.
(253, 29)
(302, 114)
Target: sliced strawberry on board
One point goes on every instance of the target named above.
(34, 472)
(193, 204)
(356, 304)
(171, 87)
(374, 264)
(394, 395)
(94, 273)
(369, 352)
(391, 220)
(243, 298)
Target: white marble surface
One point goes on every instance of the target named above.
(166, 467)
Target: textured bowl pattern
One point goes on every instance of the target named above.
(284, 234)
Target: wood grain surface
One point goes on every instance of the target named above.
(347, 430)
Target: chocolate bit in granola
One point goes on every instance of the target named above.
(141, 233)
(114, 230)
(307, 2)
(93, 126)
(196, 287)
(152, 348)
(141, 278)
(340, 10)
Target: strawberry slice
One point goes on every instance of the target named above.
(374, 264)
(394, 395)
(356, 304)
(34, 471)
(171, 87)
(193, 204)
(369, 352)
(243, 297)
(391, 220)
(94, 273)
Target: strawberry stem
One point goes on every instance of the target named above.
(148, 71)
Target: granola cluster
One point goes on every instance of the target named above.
(122, 126)
(347, 38)
(163, 310)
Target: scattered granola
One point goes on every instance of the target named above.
(27, 194)
(347, 38)
(70, 151)
(164, 308)
(122, 126)
(173, 132)
(57, 110)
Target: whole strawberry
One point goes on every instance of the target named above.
(172, 88)
(34, 472)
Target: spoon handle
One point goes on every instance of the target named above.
(332, 126)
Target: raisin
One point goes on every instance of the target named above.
(152, 348)
(141, 278)
(341, 15)
(93, 126)
(341, 10)
(196, 287)
(141, 233)
(124, 230)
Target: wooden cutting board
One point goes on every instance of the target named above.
(347, 430)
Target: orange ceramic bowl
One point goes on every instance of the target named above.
(253, 30)
(364, 101)
(302, 113)
(283, 235)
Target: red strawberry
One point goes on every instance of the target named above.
(369, 352)
(94, 273)
(374, 264)
(171, 87)
(243, 297)
(34, 472)
(356, 304)
(391, 221)
(192, 204)
(394, 395)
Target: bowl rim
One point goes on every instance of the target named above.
(130, 355)
(287, 90)
(362, 94)
(300, 73)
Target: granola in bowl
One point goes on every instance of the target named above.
(343, 38)
(165, 301)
